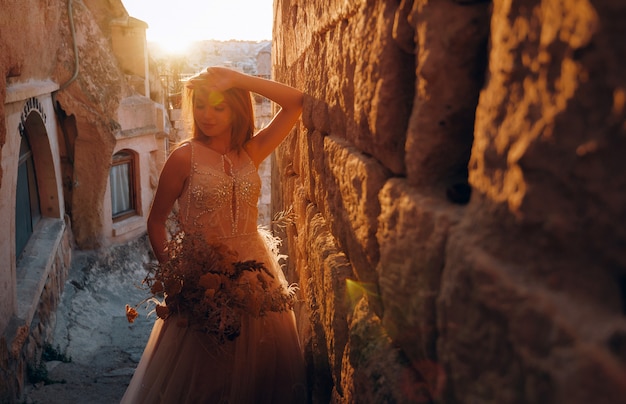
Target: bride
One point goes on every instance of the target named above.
(251, 353)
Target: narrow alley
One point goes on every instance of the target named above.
(97, 348)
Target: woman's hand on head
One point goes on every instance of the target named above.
(220, 78)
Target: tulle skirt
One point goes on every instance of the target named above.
(263, 364)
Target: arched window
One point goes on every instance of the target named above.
(123, 190)
(27, 209)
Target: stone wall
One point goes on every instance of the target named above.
(458, 187)
(23, 341)
(31, 54)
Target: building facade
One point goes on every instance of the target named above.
(83, 134)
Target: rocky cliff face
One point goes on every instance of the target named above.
(91, 104)
(457, 182)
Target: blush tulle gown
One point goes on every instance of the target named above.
(264, 363)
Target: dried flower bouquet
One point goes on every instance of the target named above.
(205, 285)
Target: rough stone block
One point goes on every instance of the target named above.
(451, 61)
(325, 291)
(349, 201)
(374, 369)
(409, 282)
(530, 344)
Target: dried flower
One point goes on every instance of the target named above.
(209, 289)
(131, 314)
(157, 288)
(162, 311)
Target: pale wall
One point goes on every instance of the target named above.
(130, 228)
(128, 39)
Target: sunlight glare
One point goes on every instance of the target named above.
(175, 25)
(174, 46)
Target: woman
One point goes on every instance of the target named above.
(213, 177)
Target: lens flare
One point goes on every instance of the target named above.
(356, 290)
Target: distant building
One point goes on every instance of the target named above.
(264, 62)
(263, 114)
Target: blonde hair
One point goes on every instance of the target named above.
(239, 101)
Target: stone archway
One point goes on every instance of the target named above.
(35, 131)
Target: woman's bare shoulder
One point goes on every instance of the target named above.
(182, 150)
(180, 157)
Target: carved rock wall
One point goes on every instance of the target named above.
(90, 102)
(457, 187)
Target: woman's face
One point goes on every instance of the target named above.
(212, 115)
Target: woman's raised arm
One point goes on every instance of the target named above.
(289, 99)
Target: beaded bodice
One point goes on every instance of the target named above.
(220, 199)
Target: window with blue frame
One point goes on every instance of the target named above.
(27, 209)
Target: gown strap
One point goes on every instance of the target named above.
(191, 164)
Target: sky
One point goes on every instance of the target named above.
(175, 23)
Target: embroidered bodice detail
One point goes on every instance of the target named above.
(222, 193)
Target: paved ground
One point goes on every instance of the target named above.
(93, 331)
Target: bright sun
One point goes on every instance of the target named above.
(174, 25)
(173, 47)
